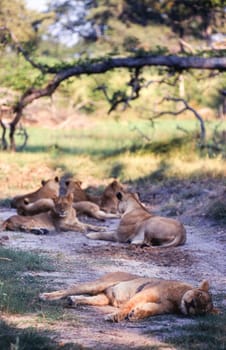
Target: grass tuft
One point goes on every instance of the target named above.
(19, 285)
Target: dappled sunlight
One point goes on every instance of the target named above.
(127, 167)
(77, 329)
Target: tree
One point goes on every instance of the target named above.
(103, 12)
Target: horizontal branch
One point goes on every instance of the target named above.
(98, 67)
(177, 62)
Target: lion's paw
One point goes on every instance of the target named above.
(132, 315)
(115, 317)
(43, 296)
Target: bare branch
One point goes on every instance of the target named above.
(196, 114)
(186, 107)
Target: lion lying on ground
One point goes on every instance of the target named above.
(138, 297)
(93, 210)
(86, 204)
(82, 202)
(45, 204)
(138, 226)
(61, 217)
(49, 189)
(80, 195)
(107, 201)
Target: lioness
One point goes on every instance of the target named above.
(138, 297)
(86, 204)
(109, 201)
(93, 210)
(61, 217)
(138, 226)
(83, 207)
(49, 189)
(75, 187)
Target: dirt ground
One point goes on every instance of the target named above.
(202, 256)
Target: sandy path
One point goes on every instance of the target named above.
(203, 256)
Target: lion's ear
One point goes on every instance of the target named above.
(119, 196)
(56, 179)
(204, 286)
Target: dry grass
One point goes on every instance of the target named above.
(106, 150)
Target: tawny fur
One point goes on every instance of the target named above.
(88, 205)
(80, 195)
(49, 189)
(109, 201)
(40, 206)
(61, 217)
(138, 226)
(93, 210)
(138, 297)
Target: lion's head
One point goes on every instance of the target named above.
(63, 206)
(197, 301)
(114, 187)
(48, 189)
(75, 187)
(126, 200)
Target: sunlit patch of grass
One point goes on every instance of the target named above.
(19, 285)
(14, 338)
(109, 149)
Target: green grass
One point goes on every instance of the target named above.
(104, 139)
(19, 290)
(110, 148)
(17, 273)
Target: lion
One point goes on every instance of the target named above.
(138, 226)
(109, 201)
(75, 187)
(93, 210)
(61, 217)
(49, 189)
(42, 205)
(88, 205)
(46, 204)
(138, 297)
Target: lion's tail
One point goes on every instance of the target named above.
(178, 240)
(103, 236)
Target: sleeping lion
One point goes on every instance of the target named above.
(138, 297)
(138, 226)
